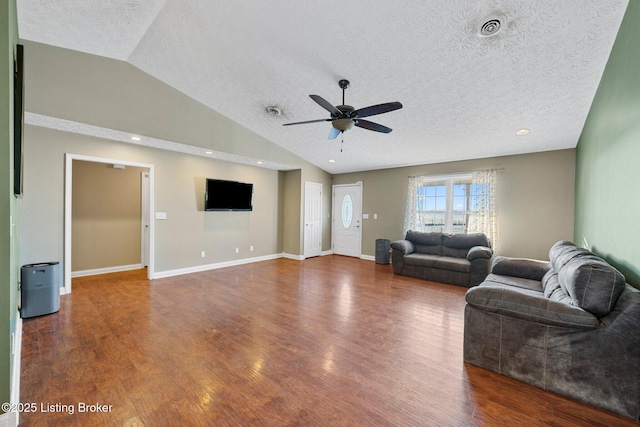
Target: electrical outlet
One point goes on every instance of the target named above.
(237, 250)
(251, 248)
(202, 254)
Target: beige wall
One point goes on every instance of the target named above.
(106, 216)
(535, 198)
(179, 191)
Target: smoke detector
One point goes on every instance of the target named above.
(491, 25)
(273, 110)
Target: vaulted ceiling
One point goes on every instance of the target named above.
(464, 95)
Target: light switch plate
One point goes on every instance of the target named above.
(161, 215)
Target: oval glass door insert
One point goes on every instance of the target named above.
(347, 211)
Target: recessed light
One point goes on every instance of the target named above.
(522, 132)
(331, 161)
(135, 138)
(259, 162)
(209, 152)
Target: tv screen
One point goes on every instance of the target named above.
(221, 195)
(18, 120)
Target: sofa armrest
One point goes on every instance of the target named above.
(479, 252)
(520, 267)
(529, 305)
(404, 246)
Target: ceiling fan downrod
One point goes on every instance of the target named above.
(344, 84)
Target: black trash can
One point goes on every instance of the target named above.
(383, 251)
(39, 289)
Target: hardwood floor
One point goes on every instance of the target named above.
(327, 341)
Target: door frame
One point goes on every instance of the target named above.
(333, 207)
(68, 187)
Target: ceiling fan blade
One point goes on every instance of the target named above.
(326, 105)
(308, 121)
(378, 109)
(366, 124)
(334, 133)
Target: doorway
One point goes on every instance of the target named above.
(346, 232)
(147, 201)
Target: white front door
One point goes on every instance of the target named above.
(312, 219)
(347, 219)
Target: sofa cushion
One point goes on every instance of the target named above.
(458, 245)
(529, 305)
(592, 284)
(451, 263)
(563, 252)
(426, 243)
(421, 260)
(517, 282)
(553, 290)
(520, 267)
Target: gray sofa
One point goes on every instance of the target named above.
(459, 259)
(570, 326)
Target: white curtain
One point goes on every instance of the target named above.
(410, 213)
(485, 200)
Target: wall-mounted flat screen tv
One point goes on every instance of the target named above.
(221, 195)
(18, 120)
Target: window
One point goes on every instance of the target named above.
(463, 203)
(444, 205)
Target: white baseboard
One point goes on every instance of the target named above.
(292, 256)
(83, 273)
(206, 267)
(11, 419)
(368, 257)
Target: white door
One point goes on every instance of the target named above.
(312, 219)
(144, 209)
(347, 219)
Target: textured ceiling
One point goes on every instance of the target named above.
(464, 96)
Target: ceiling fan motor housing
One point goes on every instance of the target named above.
(345, 121)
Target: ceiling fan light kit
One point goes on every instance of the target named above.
(344, 117)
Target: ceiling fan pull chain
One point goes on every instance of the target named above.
(342, 142)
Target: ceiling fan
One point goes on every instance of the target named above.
(344, 117)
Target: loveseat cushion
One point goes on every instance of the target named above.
(592, 284)
(421, 260)
(452, 264)
(458, 245)
(529, 305)
(426, 243)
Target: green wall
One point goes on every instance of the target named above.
(608, 158)
(8, 239)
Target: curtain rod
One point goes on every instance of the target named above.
(455, 173)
